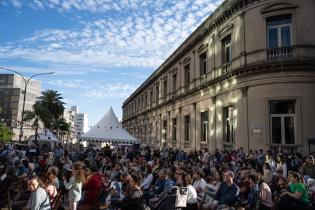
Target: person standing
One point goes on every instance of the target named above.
(75, 185)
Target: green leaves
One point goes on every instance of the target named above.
(5, 133)
(48, 109)
(52, 101)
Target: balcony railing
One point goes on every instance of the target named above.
(226, 67)
(203, 78)
(281, 53)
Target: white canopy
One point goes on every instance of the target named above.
(44, 135)
(108, 129)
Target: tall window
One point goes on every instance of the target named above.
(187, 128)
(157, 94)
(174, 82)
(187, 74)
(204, 126)
(203, 64)
(279, 31)
(164, 133)
(156, 131)
(174, 130)
(165, 88)
(151, 97)
(227, 49)
(282, 121)
(145, 100)
(228, 124)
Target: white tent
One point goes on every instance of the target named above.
(109, 130)
(45, 135)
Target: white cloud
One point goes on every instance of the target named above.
(16, 3)
(74, 83)
(142, 33)
(116, 90)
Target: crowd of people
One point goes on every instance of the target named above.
(130, 178)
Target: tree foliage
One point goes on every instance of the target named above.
(5, 133)
(48, 109)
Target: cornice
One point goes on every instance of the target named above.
(220, 16)
(257, 68)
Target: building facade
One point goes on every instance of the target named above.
(81, 124)
(244, 78)
(11, 102)
(69, 116)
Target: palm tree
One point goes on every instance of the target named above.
(52, 101)
(39, 113)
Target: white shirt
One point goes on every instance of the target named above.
(146, 183)
(284, 169)
(200, 184)
(191, 195)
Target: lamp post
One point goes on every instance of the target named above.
(26, 81)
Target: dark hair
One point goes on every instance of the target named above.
(297, 176)
(53, 170)
(136, 178)
(267, 166)
(253, 177)
(94, 168)
(32, 177)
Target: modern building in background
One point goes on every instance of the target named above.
(81, 124)
(244, 78)
(69, 116)
(11, 102)
(78, 121)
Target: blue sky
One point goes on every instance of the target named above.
(101, 50)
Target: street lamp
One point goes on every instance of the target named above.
(26, 81)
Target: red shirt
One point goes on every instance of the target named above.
(92, 188)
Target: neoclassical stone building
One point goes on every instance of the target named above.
(244, 78)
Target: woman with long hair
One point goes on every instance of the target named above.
(74, 185)
(192, 199)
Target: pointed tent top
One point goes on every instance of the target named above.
(108, 129)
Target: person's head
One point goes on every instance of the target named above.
(310, 159)
(268, 157)
(31, 166)
(197, 173)
(33, 183)
(125, 177)
(53, 170)
(228, 177)
(162, 174)
(281, 182)
(79, 172)
(50, 177)
(252, 179)
(17, 163)
(295, 177)
(217, 176)
(280, 159)
(179, 173)
(279, 172)
(243, 173)
(267, 166)
(136, 178)
(187, 180)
